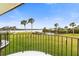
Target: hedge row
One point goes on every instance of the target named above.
(61, 31)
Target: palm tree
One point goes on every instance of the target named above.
(24, 22)
(44, 30)
(72, 25)
(56, 27)
(66, 28)
(31, 20)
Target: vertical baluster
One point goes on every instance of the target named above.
(19, 41)
(33, 41)
(22, 44)
(8, 34)
(44, 42)
(28, 39)
(71, 45)
(22, 40)
(25, 41)
(13, 42)
(66, 45)
(16, 41)
(48, 43)
(51, 43)
(77, 47)
(58, 44)
(54, 44)
(0, 44)
(52, 40)
(5, 42)
(61, 45)
(38, 41)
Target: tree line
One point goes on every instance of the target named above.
(58, 30)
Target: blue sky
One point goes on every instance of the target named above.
(45, 15)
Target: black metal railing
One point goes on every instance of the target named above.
(55, 45)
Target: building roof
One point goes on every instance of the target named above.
(5, 7)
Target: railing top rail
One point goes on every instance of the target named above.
(64, 36)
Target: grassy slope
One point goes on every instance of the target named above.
(53, 46)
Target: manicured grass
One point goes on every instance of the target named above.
(54, 45)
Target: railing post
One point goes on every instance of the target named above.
(71, 46)
(66, 45)
(61, 45)
(0, 44)
(77, 47)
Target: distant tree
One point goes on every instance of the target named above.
(44, 30)
(31, 20)
(72, 25)
(14, 28)
(78, 26)
(0, 42)
(66, 28)
(56, 27)
(24, 22)
(50, 30)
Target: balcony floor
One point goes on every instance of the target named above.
(29, 53)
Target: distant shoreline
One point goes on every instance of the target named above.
(27, 30)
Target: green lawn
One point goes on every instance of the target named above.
(45, 43)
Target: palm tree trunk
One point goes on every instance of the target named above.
(31, 27)
(25, 28)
